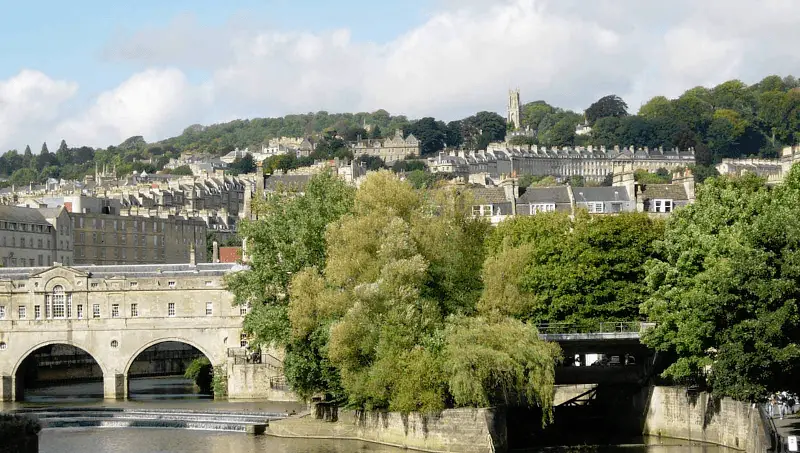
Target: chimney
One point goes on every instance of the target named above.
(192, 258)
(215, 252)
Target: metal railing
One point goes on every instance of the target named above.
(551, 328)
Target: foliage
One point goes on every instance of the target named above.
(390, 309)
(548, 268)
(288, 237)
(607, 106)
(183, 170)
(725, 287)
(660, 176)
(504, 360)
(371, 162)
(243, 165)
(219, 382)
(431, 134)
(18, 433)
(200, 371)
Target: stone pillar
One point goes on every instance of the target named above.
(115, 386)
(6, 388)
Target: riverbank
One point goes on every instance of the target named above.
(462, 430)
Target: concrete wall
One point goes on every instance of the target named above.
(252, 381)
(453, 430)
(734, 424)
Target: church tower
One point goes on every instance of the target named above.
(513, 108)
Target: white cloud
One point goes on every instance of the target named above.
(29, 105)
(154, 103)
(461, 59)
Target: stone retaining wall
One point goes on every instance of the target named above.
(453, 430)
(674, 412)
(252, 381)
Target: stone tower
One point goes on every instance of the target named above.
(513, 108)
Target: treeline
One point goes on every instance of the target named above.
(729, 120)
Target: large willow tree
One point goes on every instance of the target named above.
(397, 299)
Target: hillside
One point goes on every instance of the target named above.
(729, 120)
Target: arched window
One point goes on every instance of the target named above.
(58, 304)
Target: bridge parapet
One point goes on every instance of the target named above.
(593, 331)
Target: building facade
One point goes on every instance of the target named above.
(114, 313)
(105, 239)
(594, 164)
(390, 150)
(34, 237)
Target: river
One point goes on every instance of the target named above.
(178, 393)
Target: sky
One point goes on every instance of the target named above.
(96, 72)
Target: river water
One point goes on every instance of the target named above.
(179, 393)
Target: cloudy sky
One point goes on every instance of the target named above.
(95, 72)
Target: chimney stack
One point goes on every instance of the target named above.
(215, 252)
(192, 258)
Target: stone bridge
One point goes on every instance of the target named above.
(609, 339)
(114, 313)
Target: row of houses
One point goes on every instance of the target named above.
(592, 163)
(625, 195)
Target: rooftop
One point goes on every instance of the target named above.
(130, 271)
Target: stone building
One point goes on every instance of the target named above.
(773, 170)
(106, 239)
(390, 149)
(34, 237)
(114, 313)
(593, 163)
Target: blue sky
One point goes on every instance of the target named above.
(97, 72)
(65, 39)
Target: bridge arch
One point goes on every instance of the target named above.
(18, 373)
(211, 357)
(94, 354)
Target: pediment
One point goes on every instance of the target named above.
(62, 271)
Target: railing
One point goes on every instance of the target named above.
(242, 356)
(593, 327)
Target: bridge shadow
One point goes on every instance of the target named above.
(159, 373)
(58, 373)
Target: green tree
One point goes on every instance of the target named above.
(289, 236)
(243, 165)
(611, 105)
(430, 133)
(657, 107)
(548, 268)
(183, 170)
(725, 288)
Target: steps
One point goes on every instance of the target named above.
(104, 417)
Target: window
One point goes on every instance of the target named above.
(23, 312)
(37, 312)
(134, 284)
(663, 205)
(95, 310)
(244, 308)
(243, 340)
(209, 283)
(39, 243)
(41, 260)
(2, 312)
(94, 285)
(114, 344)
(21, 285)
(115, 310)
(80, 311)
(171, 309)
(58, 302)
(595, 207)
(171, 284)
(536, 208)
(209, 308)
(483, 210)
(134, 310)
(616, 207)
(3, 346)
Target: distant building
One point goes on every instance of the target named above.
(592, 163)
(34, 237)
(390, 150)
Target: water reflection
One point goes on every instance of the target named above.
(168, 388)
(184, 441)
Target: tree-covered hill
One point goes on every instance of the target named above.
(731, 119)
